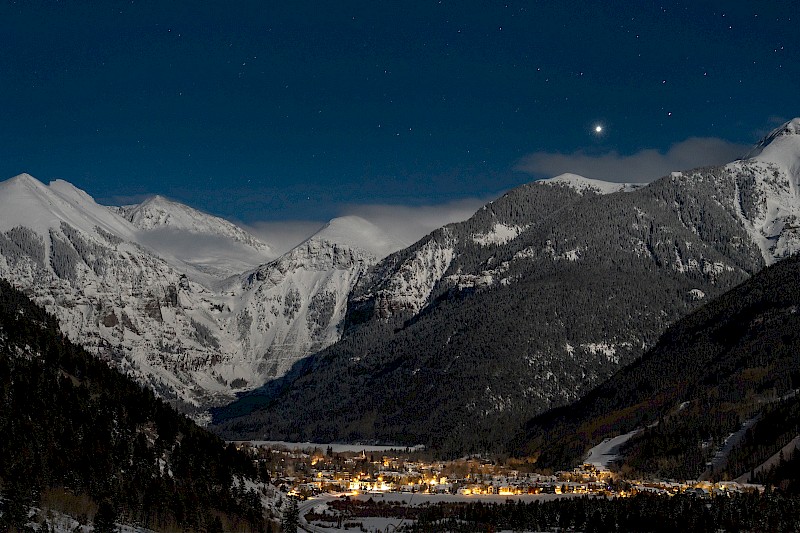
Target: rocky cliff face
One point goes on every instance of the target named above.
(120, 286)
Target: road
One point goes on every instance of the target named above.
(306, 506)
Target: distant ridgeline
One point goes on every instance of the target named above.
(83, 439)
(729, 368)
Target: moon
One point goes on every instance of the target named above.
(598, 129)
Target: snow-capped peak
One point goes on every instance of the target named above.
(581, 184)
(357, 232)
(768, 191)
(24, 179)
(159, 212)
(165, 300)
(26, 201)
(781, 147)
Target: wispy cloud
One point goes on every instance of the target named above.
(405, 224)
(643, 166)
(283, 235)
(410, 223)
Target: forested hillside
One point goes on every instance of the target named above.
(80, 438)
(538, 297)
(729, 367)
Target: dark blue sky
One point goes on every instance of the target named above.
(276, 110)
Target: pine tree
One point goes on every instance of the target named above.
(291, 516)
(105, 518)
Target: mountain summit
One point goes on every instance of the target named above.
(785, 138)
(768, 192)
(26, 201)
(358, 232)
(581, 184)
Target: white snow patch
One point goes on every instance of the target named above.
(605, 453)
(410, 286)
(697, 294)
(605, 348)
(499, 234)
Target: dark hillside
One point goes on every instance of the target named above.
(732, 361)
(78, 436)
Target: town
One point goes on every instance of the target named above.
(304, 472)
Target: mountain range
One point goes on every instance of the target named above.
(189, 304)
(537, 298)
(541, 295)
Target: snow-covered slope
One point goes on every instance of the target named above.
(459, 255)
(294, 306)
(25, 201)
(109, 293)
(159, 212)
(152, 290)
(358, 232)
(762, 192)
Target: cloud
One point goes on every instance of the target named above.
(643, 166)
(215, 256)
(283, 235)
(408, 224)
(404, 224)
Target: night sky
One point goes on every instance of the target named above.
(264, 110)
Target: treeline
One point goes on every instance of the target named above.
(81, 438)
(640, 513)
